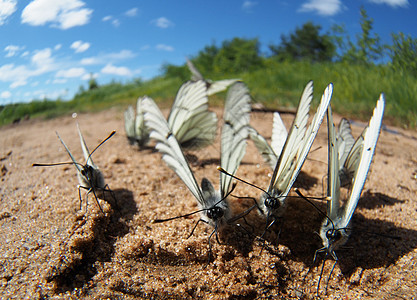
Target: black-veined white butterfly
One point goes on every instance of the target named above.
(89, 175)
(213, 205)
(294, 153)
(272, 202)
(213, 87)
(136, 130)
(335, 229)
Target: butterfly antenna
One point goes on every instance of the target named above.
(56, 164)
(197, 211)
(220, 169)
(177, 217)
(315, 206)
(110, 135)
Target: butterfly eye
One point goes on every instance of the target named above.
(215, 213)
(272, 203)
(329, 234)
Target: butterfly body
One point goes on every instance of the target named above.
(216, 211)
(91, 177)
(333, 235)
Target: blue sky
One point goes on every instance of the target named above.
(48, 48)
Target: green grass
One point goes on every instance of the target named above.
(276, 84)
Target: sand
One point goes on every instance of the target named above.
(49, 248)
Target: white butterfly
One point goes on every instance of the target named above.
(136, 130)
(278, 138)
(295, 150)
(213, 205)
(90, 177)
(335, 228)
(213, 87)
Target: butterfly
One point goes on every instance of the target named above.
(270, 153)
(335, 229)
(89, 175)
(135, 128)
(294, 152)
(213, 87)
(213, 205)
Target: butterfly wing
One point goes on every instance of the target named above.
(195, 74)
(263, 147)
(190, 121)
(333, 179)
(219, 86)
(129, 116)
(299, 141)
(77, 165)
(369, 143)
(168, 145)
(141, 131)
(279, 134)
(86, 152)
(234, 132)
(345, 140)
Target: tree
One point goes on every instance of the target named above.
(403, 53)
(368, 48)
(92, 83)
(237, 55)
(204, 61)
(305, 43)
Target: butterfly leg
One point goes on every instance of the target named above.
(108, 189)
(79, 195)
(95, 196)
(333, 254)
(321, 275)
(195, 226)
(209, 242)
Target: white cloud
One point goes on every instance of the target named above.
(71, 73)
(80, 46)
(132, 12)
(163, 47)
(108, 57)
(63, 14)
(115, 22)
(57, 47)
(392, 3)
(7, 8)
(41, 62)
(247, 5)
(18, 83)
(113, 70)
(59, 81)
(6, 95)
(322, 7)
(162, 22)
(12, 50)
(88, 76)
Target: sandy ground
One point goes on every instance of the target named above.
(49, 248)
